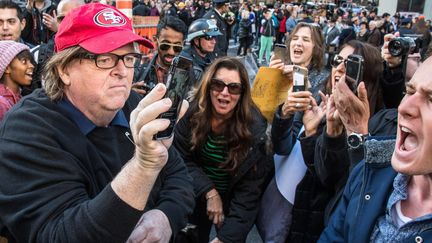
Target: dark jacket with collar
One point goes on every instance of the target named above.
(59, 189)
(241, 201)
(365, 198)
(200, 63)
(222, 41)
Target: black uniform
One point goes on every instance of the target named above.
(199, 63)
(222, 41)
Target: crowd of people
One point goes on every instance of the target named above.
(343, 160)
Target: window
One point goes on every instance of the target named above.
(410, 6)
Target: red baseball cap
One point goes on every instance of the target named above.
(98, 28)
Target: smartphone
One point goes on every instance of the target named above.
(177, 87)
(354, 71)
(300, 77)
(280, 52)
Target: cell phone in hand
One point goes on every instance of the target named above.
(280, 52)
(354, 71)
(300, 78)
(177, 87)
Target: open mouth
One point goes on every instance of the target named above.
(298, 52)
(223, 103)
(6, 37)
(408, 139)
(337, 78)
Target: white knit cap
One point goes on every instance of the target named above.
(8, 51)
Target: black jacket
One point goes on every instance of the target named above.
(222, 41)
(311, 196)
(59, 188)
(200, 63)
(241, 201)
(245, 28)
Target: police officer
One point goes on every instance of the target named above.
(202, 36)
(220, 7)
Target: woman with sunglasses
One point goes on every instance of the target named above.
(222, 140)
(16, 70)
(351, 119)
(306, 49)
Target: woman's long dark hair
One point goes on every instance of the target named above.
(237, 135)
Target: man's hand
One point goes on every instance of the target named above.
(214, 207)
(153, 226)
(50, 21)
(152, 154)
(353, 111)
(385, 53)
(29, 5)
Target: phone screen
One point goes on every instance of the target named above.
(177, 86)
(299, 79)
(280, 52)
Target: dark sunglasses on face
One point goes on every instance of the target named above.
(166, 46)
(337, 60)
(219, 85)
(207, 37)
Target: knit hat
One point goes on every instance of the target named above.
(8, 51)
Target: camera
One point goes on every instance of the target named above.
(402, 46)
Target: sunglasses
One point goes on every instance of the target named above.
(166, 46)
(219, 85)
(207, 37)
(337, 60)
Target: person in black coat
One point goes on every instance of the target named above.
(222, 140)
(244, 33)
(220, 7)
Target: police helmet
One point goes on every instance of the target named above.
(202, 27)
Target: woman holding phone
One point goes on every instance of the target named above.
(222, 139)
(305, 47)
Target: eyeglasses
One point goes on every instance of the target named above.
(60, 18)
(110, 60)
(219, 85)
(337, 60)
(207, 37)
(166, 46)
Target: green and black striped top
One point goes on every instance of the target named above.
(213, 155)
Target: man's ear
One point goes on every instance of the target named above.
(23, 24)
(64, 75)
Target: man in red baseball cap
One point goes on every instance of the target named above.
(77, 159)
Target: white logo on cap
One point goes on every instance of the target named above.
(108, 17)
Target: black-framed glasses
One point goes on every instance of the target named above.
(110, 60)
(337, 60)
(166, 46)
(219, 85)
(208, 37)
